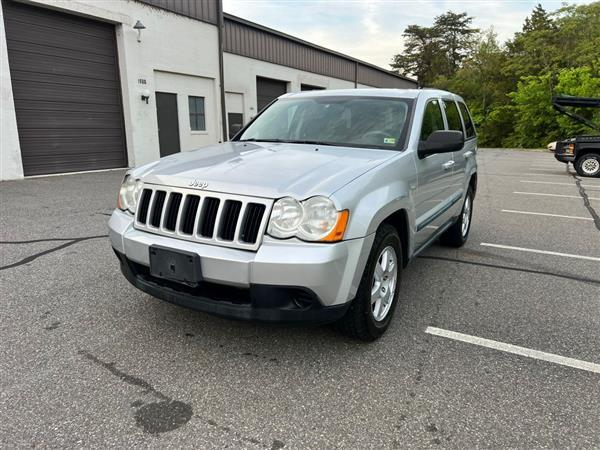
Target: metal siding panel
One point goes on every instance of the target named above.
(204, 10)
(66, 89)
(253, 42)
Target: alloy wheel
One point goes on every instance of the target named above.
(590, 166)
(384, 283)
(466, 217)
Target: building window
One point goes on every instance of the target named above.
(197, 118)
(310, 87)
(236, 123)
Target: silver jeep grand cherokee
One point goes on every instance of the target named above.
(309, 214)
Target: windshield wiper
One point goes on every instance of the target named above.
(262, 140)
(285, 141)
(311, 142)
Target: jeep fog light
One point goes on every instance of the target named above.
(286, 216)
(129, 194)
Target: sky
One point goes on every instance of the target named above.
(371, 30)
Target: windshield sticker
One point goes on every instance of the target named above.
(389, 140)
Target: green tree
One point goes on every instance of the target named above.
(421, 54)
(437, 50)
(532, 50)
(536, 123)
(509, 87)
(455, 39)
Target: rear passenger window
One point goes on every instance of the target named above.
(452, 116)
(432, 119)
(469, 127)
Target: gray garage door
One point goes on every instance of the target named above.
(267, 90)
(65, 82)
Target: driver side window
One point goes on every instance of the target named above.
(432, 119)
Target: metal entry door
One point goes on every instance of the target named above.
(168, 123)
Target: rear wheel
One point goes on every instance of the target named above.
(588, 165)
(372, 309)
(457, 234)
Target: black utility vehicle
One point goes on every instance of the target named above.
(583, 151)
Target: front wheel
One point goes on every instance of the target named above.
(457, 234)
(372, 309)
(588, 165)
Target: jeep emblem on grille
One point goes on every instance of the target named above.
(199, 184)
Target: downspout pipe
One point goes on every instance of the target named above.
(221, 27)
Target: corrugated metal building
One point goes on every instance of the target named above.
(90, 90)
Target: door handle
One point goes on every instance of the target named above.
(468, 154)
(448, 165)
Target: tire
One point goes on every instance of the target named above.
(457, 234)
(588, 165)
(363, 321)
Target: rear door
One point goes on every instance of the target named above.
(434, 178)
(454, 122)
(467, 159)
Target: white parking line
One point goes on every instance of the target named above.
(545, 214)
(554, 195)
(547, 169)
(515, 349)
(543, 252)
(548, 182)
(543, 166)
(560, 184)
(545, 174)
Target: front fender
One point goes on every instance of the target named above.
(377, 194)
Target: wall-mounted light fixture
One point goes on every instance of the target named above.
(139, 26)
(145, 95)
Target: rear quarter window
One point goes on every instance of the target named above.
(469, 127)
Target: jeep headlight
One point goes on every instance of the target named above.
(129, 194)
(314, 219)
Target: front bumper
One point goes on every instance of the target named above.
(262, 303)
(564, 157)
(329, 273)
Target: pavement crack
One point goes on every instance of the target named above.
(515, 269)
(129, 379)
(153, 417)
(77, 239)
(35, 256)
(586, 201)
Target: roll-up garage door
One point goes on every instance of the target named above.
(66, 89)
(267, 90)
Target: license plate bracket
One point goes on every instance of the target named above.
(175, 265)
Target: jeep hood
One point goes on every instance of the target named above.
(269, 170)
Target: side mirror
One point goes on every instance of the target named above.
(441, 141)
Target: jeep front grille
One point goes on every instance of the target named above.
(207, 217)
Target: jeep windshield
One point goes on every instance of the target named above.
(350, 121)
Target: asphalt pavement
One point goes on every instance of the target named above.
(86, 360)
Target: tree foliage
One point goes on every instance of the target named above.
(436, 50)
(509, 86)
